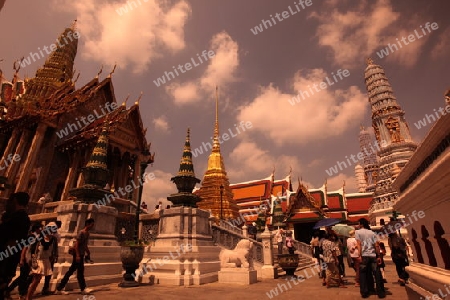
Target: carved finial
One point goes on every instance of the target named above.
(17, 68)
(369, 61)
(109, 76)
(139, 99)
(447, 97)
(99, 72)
(76, 79)
(124, 103)
(74, 25)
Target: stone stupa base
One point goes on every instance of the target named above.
(183, 253)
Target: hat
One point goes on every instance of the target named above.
(53, 227)
(254, 223)
(51, 224)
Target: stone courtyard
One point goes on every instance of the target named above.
(308, 289)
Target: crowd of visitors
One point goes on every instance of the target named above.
(35, 251)
(365, 255)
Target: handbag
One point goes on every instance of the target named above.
(34, 260)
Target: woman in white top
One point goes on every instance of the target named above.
(352, 247)
(43, 253)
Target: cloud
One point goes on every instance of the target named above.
(161, 124)
(129, 35)
(355, 34)
(220, 71)
(336, 182)
(249, 156)
(324, 114)
(183, 93)
(158, 189)
(442, 47)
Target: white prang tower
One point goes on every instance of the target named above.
(393, 136)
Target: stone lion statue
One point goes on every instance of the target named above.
(238, 257)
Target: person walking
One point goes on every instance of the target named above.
(24, 279)
(382, 265)
(279, 238)
(80, 249)
(352, 247)
(52, 227)
(315, 249)
(340, 255)
(399, 256)
(43, 250)
(14, 229)
(329, 247)
(369, 249)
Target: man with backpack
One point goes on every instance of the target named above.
(399, 256)
(80, 249)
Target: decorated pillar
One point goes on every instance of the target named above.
(30, 161)
(71, 176)
(9, 149)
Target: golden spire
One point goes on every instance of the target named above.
(216, 186)
(369, 61)
(216, 144)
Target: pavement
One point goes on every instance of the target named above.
(310, 288)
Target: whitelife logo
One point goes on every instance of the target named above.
(284, 15)
(188, 66)
(323, 85)
(35, 56)
(391, 48)
(199, 150)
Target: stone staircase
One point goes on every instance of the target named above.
(107, 268)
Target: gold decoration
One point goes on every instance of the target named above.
(394, 130)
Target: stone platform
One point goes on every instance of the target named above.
(237, 276)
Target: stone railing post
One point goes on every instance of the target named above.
(244, 230)
(268, 270)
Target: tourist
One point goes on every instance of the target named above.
(329, 247)
(80, 249)
(399, 256)
(43, 250)
(369, 249)
(315, 249)
(24, 279)
(340, 255)
(144, 207)
(322, 274)
(14, 227)
(279, 238)
(290, 242)
(252, 230)
(56, 237)
(352, 247)
(382, 265)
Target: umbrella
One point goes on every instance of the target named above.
(326, 222)
(342, 229)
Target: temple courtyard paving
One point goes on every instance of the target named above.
(308, 289)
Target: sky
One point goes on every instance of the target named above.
(259, 73)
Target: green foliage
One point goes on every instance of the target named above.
(132, 243)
